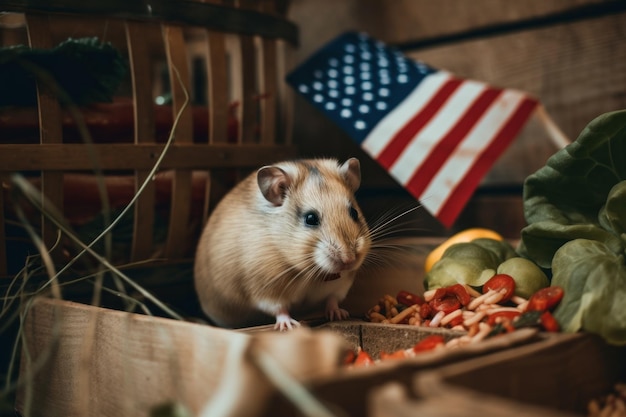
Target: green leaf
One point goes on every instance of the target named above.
(563, 199)
(593, 278)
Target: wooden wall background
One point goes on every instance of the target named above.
(571, 54)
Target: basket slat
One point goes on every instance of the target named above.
(3, 235)
(50, 129)
(122, 156)
(140, 67)
(217, 87)
(249, 103)
(268, 83)
(181, 187)
(240, 62)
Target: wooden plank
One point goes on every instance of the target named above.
(138, 156)
(143, 108)
(195, 13)
(175, 49)
(50, 128)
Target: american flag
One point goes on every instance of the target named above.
(436, 134)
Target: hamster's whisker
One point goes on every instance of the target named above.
(386, 223)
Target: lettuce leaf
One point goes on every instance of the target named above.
(563, 199)
(594, 281)
(575, 207)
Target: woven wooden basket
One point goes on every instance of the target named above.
(233, 56)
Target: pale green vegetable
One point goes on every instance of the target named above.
(471, 263)
(529, 278)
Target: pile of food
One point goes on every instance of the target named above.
(568, 273)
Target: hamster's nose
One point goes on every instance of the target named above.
(347, 261)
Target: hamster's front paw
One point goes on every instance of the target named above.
(285, 322)
(334, 312)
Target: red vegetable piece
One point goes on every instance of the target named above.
(545, 299)
(408, 299)
(349, 358)
(429, 343)
(499, 282)
(440, 293)
(456, 321)
(363, 359)
(502, 316)
(460, 292)
(548, 322)
(398, 354)
(425, 311)
(446, 304)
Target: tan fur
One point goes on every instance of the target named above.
(252, 253)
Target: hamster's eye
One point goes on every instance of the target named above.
(311, 219)
(354, 214)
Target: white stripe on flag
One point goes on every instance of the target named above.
(420, 147)
(386, 129)
(477, 140)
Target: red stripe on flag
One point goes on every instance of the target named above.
(463, 191)
(424, 174)
(402, 138)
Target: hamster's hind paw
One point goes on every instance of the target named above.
(334, 312)
(337, 314)
(285, 322)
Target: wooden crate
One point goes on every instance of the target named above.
(83, 360)
(556, 377)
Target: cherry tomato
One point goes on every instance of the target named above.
(499, 282)
(408, 299)
(548, 322)
(545, 299)
(460, 292)
(363, 359)
(502, 316)
(446, 304)
(429, 343)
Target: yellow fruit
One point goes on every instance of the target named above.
(466, 235)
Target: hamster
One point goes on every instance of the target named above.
(289, 236)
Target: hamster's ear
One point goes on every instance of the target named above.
(273, 183)
(351, 172)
